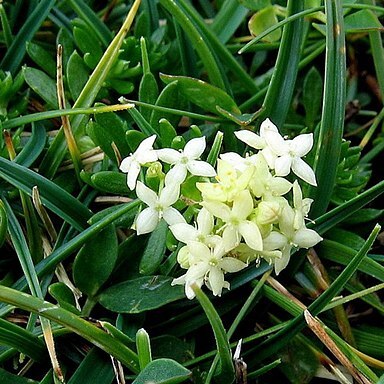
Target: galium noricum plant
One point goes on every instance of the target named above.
(246, 211)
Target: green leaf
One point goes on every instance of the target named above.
(8, 378)
(43, 85)
(33, 148)
(95, 368)
(143, 347)
(329, 138)
(87, 43)
(53, 197)
(362, 21)
(95, 261)
(282, 85)
(312, 95)
(77, 74)
(255, 5)
(142, 294)
(154, 251)
(22, 340)
(3, 223)
(15, 54)
(261, 21)
(42, 58)
(64, 297)
(110, 182)
(226, 369)
(169, 97)
(163, 371)
(202, 94)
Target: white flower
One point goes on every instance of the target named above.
(289, 154)
(208, 265)
(259, 142)
(132, 164)
(236, 224)
(186, 160)
(158, 207)
(289, 237)
(202, 232)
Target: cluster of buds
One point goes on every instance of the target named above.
(245, 212)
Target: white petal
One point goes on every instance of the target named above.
(201, 168)
(184, 232)
(146, 194)
(169, 155)
(133, 174)
(147, 156)
(205, 221)
(146, 144)
(304, 171)
(230, 264)
(216, 281)
(267, 125)
(194, 148)
(275, 142)
(231, 238)
(279, 185)
(147, 221)
(126, 164)
(242, 205)
(306, 238)
(169, 195)
(235, 160)
(200, 250)
(302, 144)
(251, 139)
(173, 216)
(176, 175)
(251, 234)
(281, 263)
(283, 165)
(218, 209)
(274, 240)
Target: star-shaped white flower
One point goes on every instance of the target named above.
(289, 237)
(259, 142)
(208, 266)
(236, 224)
(158, 207)
(132, 164)
(186, 160)
(202, 232)
(289, 154)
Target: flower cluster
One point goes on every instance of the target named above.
(245, 211)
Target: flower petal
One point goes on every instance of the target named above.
(176, 175)
(242, 205)
(169, 155)
(147, 157)
(251, 234)
(281, 263)
(184, 232)
(302, 144)
(306, 238)
(201, 168)
(125, 165)
(146, 144)
(173, 216)
(275, 142)
(218, 209)
(283, 165)
(304, 171)
(199, 250)
(275, 240)
(133, 174)
(231, 238)
(169, 195)
(216, 281)
(147, 221)
(205, 221)
(251, 139)
(230, 264)
(194, 148)
(267, 125)
(146, 194)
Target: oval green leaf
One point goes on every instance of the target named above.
(142, 294)
(202, 94)
(95, 261)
